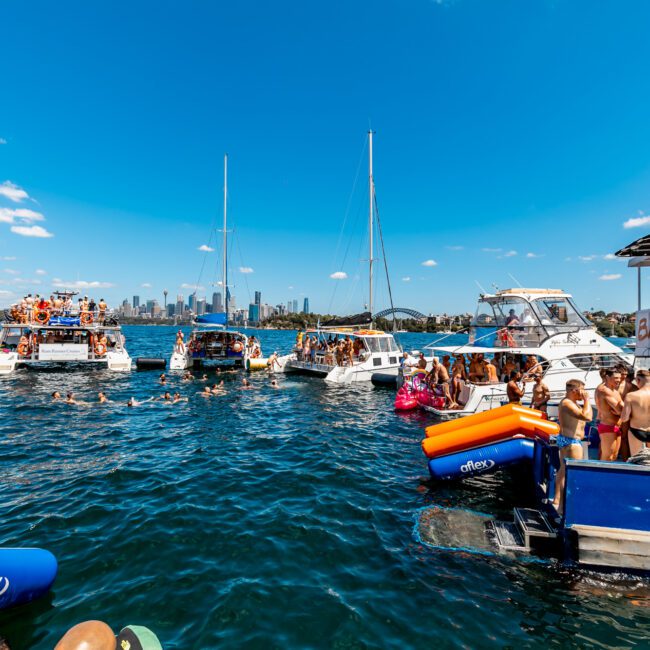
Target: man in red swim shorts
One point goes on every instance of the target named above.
(610, 406)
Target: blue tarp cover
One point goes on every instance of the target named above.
(212, 319)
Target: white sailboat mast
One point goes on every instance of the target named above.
(225, 234)
(370, 219)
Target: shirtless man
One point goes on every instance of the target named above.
(272, 362)
(635, 418)
(513, 389)
(610, 406)
(218, 389)
(163, 379)
(439, 379)
(245, 384)
(56, 396)
(476, 369)
(541, 394)
(274, 383)
(490, 371)
(102, 310)
(573, 418)
(178, 398)
(627, 384)
(101, 397)
(69, 398)
(206, 392)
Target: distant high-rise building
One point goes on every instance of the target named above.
(305, 306)
(232, 304)
(289, 307)
(180, 304)
(217, 302)
(171, 310)
(294, 306)
(153, 308)
(200, 307)
(258, 298)
(254, 313)
(193, 302)
(136, 302)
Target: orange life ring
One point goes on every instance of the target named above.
(23, 349)
(86, 318)
(42, 316)
(368, 332)
(236, 346)
(100, 349)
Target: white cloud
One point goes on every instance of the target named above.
(637, 222)
(455, 248)
(82, 284)
(610, 256)
(510, 254)
(31, 231)
(531, 256)
(339, 275)
(245, 269)
(193, 287)
(10, 271)
(406, 279)
(8, 258)
(290, 288)
(7, 215)
(491, 250)
(429, 263)
(6, 293)
(13, 192)
(611, 276)
(40, 272)
(146, 285)
(586, 258)
(205, 248)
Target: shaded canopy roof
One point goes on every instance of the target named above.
(638, 248)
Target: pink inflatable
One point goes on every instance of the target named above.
(405, 399)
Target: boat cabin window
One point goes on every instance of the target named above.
(559, 312)
(596, 361)
(373, 344)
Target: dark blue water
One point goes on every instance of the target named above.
(266, 519)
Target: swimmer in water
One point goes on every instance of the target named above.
(204, 377)
(134, 402)
(69, 399)
(163, 379)
(56, 396)
(188, 376)
(274, 383)
(166, 397)
(102, 398)
(206, 392)
(178, 398)
(218, 389)
(245, 384)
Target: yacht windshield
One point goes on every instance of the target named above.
(559, 312)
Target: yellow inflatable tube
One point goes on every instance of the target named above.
(256, 364)
(482, 433)
(478, 418)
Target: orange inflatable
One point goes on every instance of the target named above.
(500, 428)
(483, 416)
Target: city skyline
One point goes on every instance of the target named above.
(493, 164)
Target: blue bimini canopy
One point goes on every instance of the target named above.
(212, 319)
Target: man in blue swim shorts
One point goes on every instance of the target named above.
(574, 412)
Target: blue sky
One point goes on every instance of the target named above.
(511, 138)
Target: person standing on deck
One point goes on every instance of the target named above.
(610, 406)
(572, 430)
(635, 418)
(513, 389)
(541, 394)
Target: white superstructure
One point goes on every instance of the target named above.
(541, 322)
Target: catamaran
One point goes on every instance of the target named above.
(520, 322)
(39, 337)
(347, 350)
(211, 339)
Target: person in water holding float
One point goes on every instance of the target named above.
(573, 418)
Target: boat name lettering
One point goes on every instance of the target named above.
(477, 466)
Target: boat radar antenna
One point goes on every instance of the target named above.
(514, 279)
(496, 288)
(480, 286)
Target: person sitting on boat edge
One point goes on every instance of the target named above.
(573, 419)
(635, 418)
(610, 406)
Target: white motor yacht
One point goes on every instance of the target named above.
(521, 322)
(43, 337)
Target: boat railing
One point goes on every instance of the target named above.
(51, 316)
(431, 346)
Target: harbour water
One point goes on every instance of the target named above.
(267, 519)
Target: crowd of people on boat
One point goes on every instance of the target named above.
(448, 376)
(39, 309)
(335, 350)
(218, 344)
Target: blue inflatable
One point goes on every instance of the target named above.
(70, 321)
(482, 460)
(25, 574)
